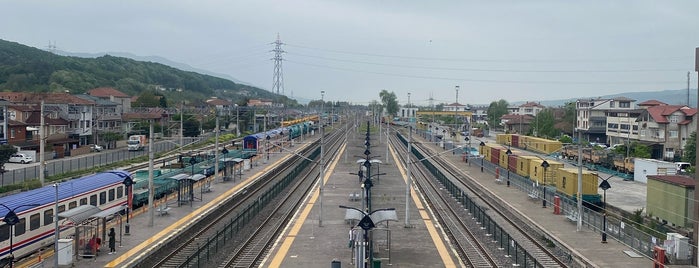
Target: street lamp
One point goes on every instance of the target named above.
(128, 182)
(11, 219)
(367, 223)
(509, 152)
(605, 186)
(482, 157)
(545, 165)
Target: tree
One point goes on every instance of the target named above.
(690, 149)
(6, 151)
(495, 111)
(147, 99)
(190, 128)
(544, 125)
(389, 100)
(569, 115)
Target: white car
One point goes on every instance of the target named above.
(20, 158)
(96, 148)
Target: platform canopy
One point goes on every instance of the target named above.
(79, 214)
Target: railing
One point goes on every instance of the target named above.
(59, 166)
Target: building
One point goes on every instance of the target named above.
(665, 128)
(670, 199)
(260, 102)
(591, 116)
(517, 123)
(122, 100)
(528, 108)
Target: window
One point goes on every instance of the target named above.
(12, 133)
(93, 200)
(103, 198)
(62, 208)
(673, 133)
(120, 191)
(21, 227)
(624, 104)
(34, 221)
(673, 118)
(83, 201)
(4, 232)
(72, 205)
(48, 217)
(111, 195)
(611, 104)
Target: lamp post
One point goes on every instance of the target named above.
(509, 152)
(367, 223)
(482, 157)
(267, 148)
(128, 182)
(545, 165)
(322, 160)
(11, 219)
(605, 186)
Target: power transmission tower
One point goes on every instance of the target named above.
(278, 82)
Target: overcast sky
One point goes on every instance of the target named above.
(515, 50)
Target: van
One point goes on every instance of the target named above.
(682, 166)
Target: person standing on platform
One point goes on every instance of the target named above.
(112, 241)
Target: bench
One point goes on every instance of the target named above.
(572, 216)
(354, 197)
(498, 181)
(163, 210)
(533, 195)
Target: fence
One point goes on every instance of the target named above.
(60, 166)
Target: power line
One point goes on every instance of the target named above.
(482, 80)
(490, 70)
(494, 60)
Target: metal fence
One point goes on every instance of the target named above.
(623, 232)
(59, 166)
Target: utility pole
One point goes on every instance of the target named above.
(42, 143)
(151, 187)
(181, 126)
(278, 79)
(322, 160)
(696, 193)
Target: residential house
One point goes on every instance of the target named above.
(665, 128)
(591, 115)
(517, 123)
(122, 100)
(260, 102)
(528, 108)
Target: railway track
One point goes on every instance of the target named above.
(516, 228)
(256, 246)
(468, 244)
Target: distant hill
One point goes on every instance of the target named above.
(678, 96)
(157, 59)
(24, 68)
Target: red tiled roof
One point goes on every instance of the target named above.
(660, 112)
(51, 98)
(35, 119)
(218, 102)
(651, 103)
(531, 104)
(106, 92)
(675, 179)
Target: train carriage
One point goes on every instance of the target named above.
(35, 209)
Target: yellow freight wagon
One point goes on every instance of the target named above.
(536, 171)
(567, 183)
(523, 164)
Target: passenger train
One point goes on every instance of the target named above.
(35, 210)
(256, 142)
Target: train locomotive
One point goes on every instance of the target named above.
(255, 143)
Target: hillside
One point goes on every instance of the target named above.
(674, 97)
(24, 68)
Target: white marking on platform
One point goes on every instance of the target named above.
(632, 254)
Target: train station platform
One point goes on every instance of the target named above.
(168, 217)
(310, 243)
(586, 242)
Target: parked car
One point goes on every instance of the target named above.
(20, 158)
(96, 148)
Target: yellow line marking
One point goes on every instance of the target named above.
(142, 249)
(434, 234)
(291, 236)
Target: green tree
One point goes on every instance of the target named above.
(544, 124)
(376, 107)
(690, 149)
(190, 128)
(147, 99)
(496, 110)
(6, 151)
(389, 100)
(640, 150)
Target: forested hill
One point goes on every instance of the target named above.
(24, 68)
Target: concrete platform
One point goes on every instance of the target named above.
(306, 244)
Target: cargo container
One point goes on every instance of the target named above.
(536, 171)
(567, 183)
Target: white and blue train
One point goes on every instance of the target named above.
(255, 143)
(34, 228)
